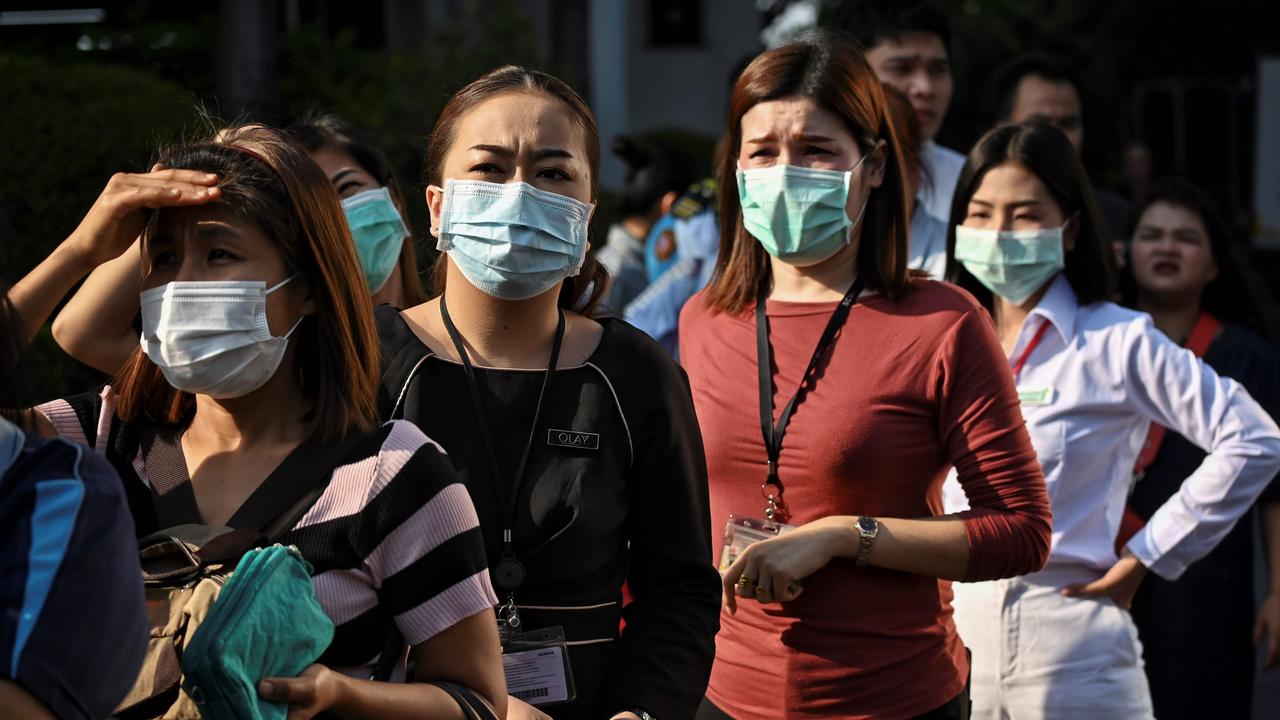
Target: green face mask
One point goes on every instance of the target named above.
(378, 231)
(797, 214)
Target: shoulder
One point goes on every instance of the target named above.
(393, 332)
(626, 350)
(1107, 318)
(944, 158)
(933, 301)
(57, 467)
(1241, 340)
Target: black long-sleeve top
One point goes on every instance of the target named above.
(615, 491)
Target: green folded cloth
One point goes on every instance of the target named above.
(265, 623)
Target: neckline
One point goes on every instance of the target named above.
(178, 504)
(606, 324)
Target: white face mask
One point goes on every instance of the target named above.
(212, 338)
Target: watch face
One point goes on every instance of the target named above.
(867, 525)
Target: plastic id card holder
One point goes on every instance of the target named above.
(741, 533)
(536, 664)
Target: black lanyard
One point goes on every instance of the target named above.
(775, 509)
(508, 574)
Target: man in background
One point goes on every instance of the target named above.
(907, 43)
(1043, 87)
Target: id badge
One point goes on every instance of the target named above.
(536, 665)
(741, 533)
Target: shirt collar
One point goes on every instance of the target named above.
(11, 441)
(1059, 306)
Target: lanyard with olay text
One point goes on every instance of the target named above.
(509, 574)
(775, 509)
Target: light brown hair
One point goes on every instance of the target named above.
(831, 70)
(583, 291)
(271, 183)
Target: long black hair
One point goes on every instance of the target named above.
(1227, 296)
(1046, 152)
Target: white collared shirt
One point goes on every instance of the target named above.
(927, 243)
(944, 170)
(1099, 377)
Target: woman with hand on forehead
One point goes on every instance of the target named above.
(1092, 377)
(870, 385)
(97, 325)
(250, 384)
(575, 435)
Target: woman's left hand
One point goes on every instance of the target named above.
(770, 571)
(317, 689)
(1120, 583)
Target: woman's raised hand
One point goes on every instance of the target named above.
(118, 215)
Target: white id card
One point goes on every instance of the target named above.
(536, 665)
(741, 533)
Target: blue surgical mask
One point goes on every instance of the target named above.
(512, 241)
(1013, 264)
(798, 214)
(378, 231)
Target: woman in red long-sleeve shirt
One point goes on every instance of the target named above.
(843, 611)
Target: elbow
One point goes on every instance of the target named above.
(1009, 544)
(63, 335)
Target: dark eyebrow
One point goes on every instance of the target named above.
(912, 58)
(806, 137)
(496, 150)
(341, 174)
(551, 152)
(216, 231)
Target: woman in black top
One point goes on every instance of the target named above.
(1198, 632)
(596, 468)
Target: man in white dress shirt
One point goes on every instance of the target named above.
(907, 46)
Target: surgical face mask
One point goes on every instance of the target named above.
(1013, 264)
(798, 214)
(512, 241)
(378, 231)
(211, 338)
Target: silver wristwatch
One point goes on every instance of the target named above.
(868, 528)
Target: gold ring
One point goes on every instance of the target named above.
(745, 582)
(762, 590)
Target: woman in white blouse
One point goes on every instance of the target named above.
(1092, 376)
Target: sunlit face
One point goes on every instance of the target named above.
(211, 243)
(347, 176)
(1056, 103)
(797, 131)
(518, 137)
(916, 63)
(1011, 197)
(1171, 253)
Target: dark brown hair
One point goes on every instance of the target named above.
(318, 131)
(271, 183)
(1049, 155)
(910, 137)
(583, 291)
(829, 69)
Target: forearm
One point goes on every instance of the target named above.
(96, 325)
(35, 296)
(358, 699)
(1271, 541)
(933, 547)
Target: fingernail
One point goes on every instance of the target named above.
(174, 191)
(199, 193)
(210, 176)
(266, 687)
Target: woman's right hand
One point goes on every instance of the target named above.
(118, 215)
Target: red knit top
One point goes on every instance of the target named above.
(908, 390)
